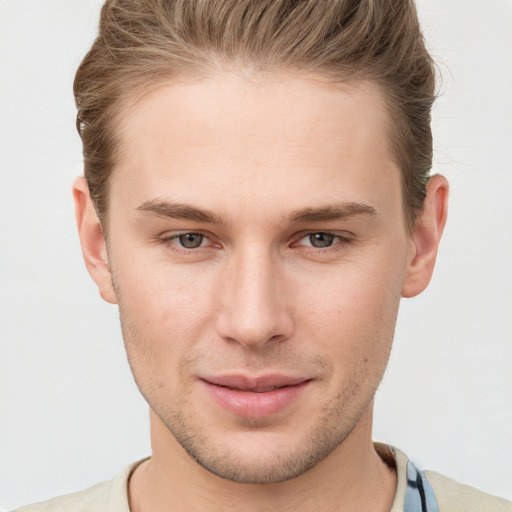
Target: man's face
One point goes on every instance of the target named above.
(258, 252)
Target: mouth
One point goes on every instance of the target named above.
(255, 397)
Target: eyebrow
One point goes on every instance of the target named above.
(183, 211)
(331, 212)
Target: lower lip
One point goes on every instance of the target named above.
(256, 405)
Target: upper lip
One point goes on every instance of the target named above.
(250, 383)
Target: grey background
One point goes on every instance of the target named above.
(70, 414)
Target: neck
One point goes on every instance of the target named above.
(351, 478)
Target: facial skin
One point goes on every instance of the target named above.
(257, 174)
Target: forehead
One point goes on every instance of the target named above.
(226, 141)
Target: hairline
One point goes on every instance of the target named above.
(346, 79)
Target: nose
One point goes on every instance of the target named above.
(254, 302)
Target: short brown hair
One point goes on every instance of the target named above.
(143, 42)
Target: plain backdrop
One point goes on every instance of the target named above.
(70, 414)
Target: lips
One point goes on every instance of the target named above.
(255, 397)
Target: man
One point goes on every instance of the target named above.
(256, 200)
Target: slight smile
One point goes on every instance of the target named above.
(255, 397)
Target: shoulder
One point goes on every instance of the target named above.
(455, 497)
(109, 496)
(438, 492)
(89, 500)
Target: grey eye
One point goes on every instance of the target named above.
(321, 239)
(191, 240)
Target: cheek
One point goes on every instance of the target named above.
(164, 315)
(352, 313)
(162, 297)
(350, 298)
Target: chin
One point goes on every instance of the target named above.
(259, 455)
(257, 468)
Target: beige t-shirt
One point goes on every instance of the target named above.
(112, 495)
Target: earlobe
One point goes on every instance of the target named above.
(94, 248)
(425, 239)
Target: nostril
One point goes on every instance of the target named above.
(254, 325)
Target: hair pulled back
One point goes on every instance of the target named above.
(144, 42)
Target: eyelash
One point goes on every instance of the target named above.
(171, 242)
(340, 242)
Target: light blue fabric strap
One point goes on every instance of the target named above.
(419, 495)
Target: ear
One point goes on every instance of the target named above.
(94, 247)
(425, 239)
